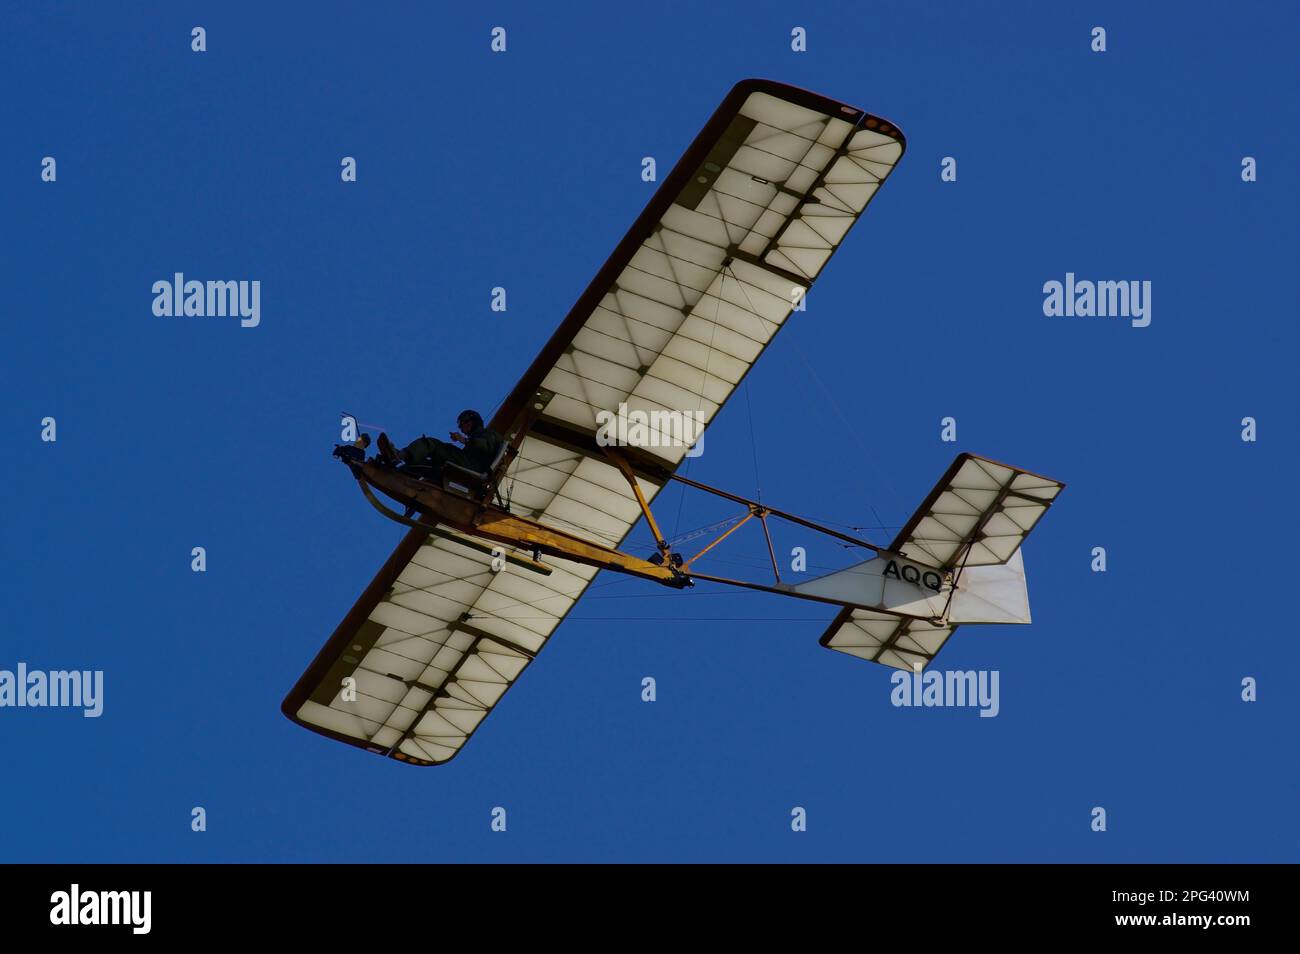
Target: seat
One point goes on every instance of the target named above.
(454, 476)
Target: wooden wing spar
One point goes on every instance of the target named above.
(692, 295)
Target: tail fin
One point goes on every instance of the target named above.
(991, 594)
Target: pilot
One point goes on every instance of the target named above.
(481, 446)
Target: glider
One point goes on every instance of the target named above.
(686, 304)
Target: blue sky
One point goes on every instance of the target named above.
(522, 170)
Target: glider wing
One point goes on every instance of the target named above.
(691, 296)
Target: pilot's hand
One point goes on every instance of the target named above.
(459, 438)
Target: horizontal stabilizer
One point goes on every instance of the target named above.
(968, 531)
(889, 640)
(978, 505)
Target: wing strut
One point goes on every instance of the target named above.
(624, 468)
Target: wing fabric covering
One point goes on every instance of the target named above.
(977, 515)
(706, 277)
(677, 327)
(439, 650)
